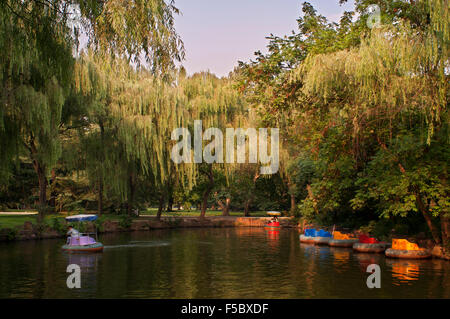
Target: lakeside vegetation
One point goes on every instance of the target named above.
(362, 113)
(14, 221)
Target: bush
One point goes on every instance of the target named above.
(40, 228)
(125, 221)
(59, 224)
(173, 222)
(98, 223)
(12, 234)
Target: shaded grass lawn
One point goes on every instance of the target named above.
(13, 221)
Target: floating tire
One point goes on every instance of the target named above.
(307, 239)
(97, 247)
(348, 243)
(322, 240)
(369, 248)
(408, 254)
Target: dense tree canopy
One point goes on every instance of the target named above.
(38, 39)
(362, 110)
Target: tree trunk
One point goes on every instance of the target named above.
(247, 208)
(445, 225)
(131, 195)
(170, 203)
(291, 188)
(248, 201)
(100, 184)
(293, 205)
(204, 202)
(53, 194)
(419, 202)
(40, 171)
(160, 207)
(207, 192)
(426, 214)
(225, 207)
(100, 197)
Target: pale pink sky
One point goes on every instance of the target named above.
(218, 33)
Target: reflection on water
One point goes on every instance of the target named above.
(213, 263)
(366, 259)
(84, 260)
(273, 234)
(341, 257)
(273, 237)
(404, 271)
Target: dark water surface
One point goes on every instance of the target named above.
(213, 263)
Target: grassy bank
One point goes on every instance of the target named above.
(12, 221)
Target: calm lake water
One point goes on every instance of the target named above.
(213, 263)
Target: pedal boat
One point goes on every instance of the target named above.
(368, 244)
(313, 236)
(273, 225)
(402, 248)
(85, 242)
(322, 237)
(342, 240)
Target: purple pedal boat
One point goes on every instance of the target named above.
(84, 242)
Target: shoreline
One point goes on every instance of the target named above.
(29, 231)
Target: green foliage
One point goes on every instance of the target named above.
(39, 103)
(98, 223)
(426, 165)
(364, 113)
(145, 28)
(12, 234)
(40, 227)
(381, 229)
(59, 224)
(125, 221)
(173, 222)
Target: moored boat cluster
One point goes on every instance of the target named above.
(399, 248)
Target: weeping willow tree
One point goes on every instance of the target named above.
(36, 62)
(218, 105)
(132, 30)
(143, 112)
(93, 89)
(38, 39)
(390, 96)
(131, 116)
(148, 111)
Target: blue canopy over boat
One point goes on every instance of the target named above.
(317, 233)
(81, 218)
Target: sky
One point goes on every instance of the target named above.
(219, 33)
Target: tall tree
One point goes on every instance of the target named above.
(38, 38)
